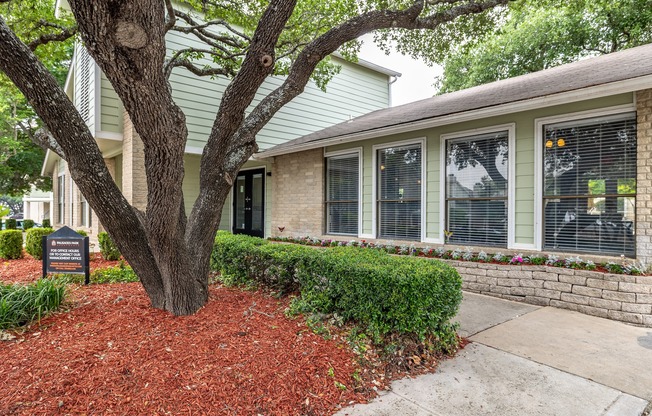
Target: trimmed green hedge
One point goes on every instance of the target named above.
(107, 247)
(46, 223)
(33, 244)
(386, 294)
(27, 224)
(11, 244)
(11, 224)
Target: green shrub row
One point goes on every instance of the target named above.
(386, 294)
(107, 247)
(11, 244)
(33, 241)
(46, 223)
(22, 304)
(10, 224)
(27, 224)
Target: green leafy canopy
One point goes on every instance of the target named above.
(537, 35)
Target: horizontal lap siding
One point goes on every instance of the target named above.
(353, 92)
(111, 116)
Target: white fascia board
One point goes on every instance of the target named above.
(584, 94)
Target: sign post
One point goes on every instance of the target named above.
(65, 251)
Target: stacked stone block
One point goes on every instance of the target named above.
(615, 296)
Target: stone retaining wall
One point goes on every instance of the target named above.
(614, 296)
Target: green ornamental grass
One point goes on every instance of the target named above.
(22, 304)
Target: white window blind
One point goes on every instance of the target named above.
(590, 185)
(342, 194)
(476, 189)
(399, 192)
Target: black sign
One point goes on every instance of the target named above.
(65, 251)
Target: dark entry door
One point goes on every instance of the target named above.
(249, 203)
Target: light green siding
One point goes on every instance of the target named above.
(524, 221)
(353, 92)
(118, 171)
(111, 116)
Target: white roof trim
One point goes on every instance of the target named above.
(583, 94)
(369, 65)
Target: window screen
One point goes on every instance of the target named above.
(399, 192)
(476, 189)
(589, 193)
(342, 193)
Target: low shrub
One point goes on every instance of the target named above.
(46, 223)
(116, 274)
(10, 224)
(33, 241)
(11, 244)
(82, 233)
(107, 247)
(383, 293)
(27, 224)
(22, 304)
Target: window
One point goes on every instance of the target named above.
(399, 192)
(342, 194)
(85, 211)
(476, 189)
(589, 190)
(61, 194)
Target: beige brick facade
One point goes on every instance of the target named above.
(644, 180)
(298, 194)
(134, 180)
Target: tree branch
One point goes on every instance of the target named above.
(177, 61)
(200, 30)
(171, 15)
(44, 139)
(64, 34)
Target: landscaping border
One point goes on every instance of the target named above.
(620, 297)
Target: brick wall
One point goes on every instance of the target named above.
(614, 296)
(134, 181)
(644, 177)
(298, 193)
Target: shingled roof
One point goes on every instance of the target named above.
(532, 91)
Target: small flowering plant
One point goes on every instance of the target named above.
(517, 259)
(624, 266)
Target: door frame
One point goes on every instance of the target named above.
(263, 169)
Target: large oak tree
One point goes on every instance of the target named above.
(248, 41)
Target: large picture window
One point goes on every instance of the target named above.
(399, 192)
(476, 189)
(342, 194)
(589, 193)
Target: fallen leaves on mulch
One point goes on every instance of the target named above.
(113, 353)
(29, 269)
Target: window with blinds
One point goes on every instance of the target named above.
(589, 195)
(342, 194)
(399, 192)
(476, 189)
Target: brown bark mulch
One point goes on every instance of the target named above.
(111, 353)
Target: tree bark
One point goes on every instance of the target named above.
(169, 252)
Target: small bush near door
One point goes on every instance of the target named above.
(27, 224)
(382, 293)
(107, 247)
(46, 223)
(11, 244)
(10, 223)
(33, 241)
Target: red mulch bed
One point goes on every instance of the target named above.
(113, 353)
(28, 269)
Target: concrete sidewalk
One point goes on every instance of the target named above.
(528, 360)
